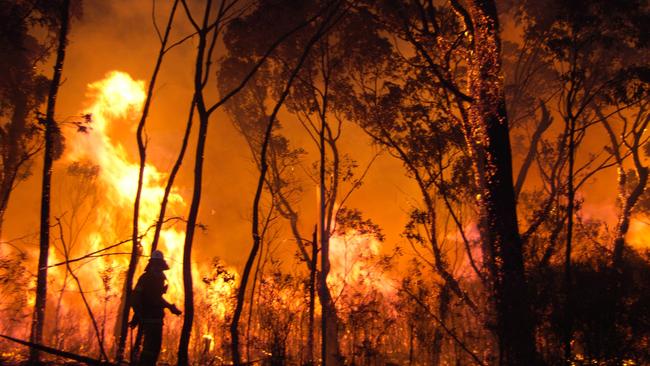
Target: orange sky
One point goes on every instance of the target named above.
(118, 35)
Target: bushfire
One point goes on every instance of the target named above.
(480, 171)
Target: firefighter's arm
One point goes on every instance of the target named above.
(170, 306)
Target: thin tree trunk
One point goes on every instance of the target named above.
(204, 116)
(324, 245)
(329, 325)
(567, 328)
(438, 337)
(331, 352)
(100, 340)
(251, 302)
(241, 292)
(543, 125)
(183, 357)
(142, 152)
(51, 129)
(411, 343)
(312, 296)
(57, 313)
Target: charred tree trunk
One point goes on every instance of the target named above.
(443, 309)
(204, 116)
(493, 160)
(324, 248)
(51, 130)
(188, 319)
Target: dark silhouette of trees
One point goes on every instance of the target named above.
(264, 166)
(458, 53)
(208, 30)
(596, 53)
(317, 102)
(22, 89)
(51, 152)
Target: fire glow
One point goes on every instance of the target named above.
(115, 104)
(120, 98)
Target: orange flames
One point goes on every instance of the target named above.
(118, 99)
(354, 259)
(115, 105)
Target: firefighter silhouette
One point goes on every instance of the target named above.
(149, 308)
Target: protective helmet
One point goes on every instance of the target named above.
(158, 257)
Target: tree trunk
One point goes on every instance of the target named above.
(443, 309)
(312, 297)
(188, 319)
(489, 125)
(329, 325)
(567, 331)
(142, 153)
(10, 160)
(625, 213)
(51, 129)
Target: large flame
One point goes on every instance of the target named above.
(115, 105)
(117, 102)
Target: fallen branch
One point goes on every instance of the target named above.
(69, 355)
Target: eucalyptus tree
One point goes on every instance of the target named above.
(209, 23)
(318, 102)
(456, 49)
(22, 88)
(599, 54)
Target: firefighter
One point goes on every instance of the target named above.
(149, 307)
